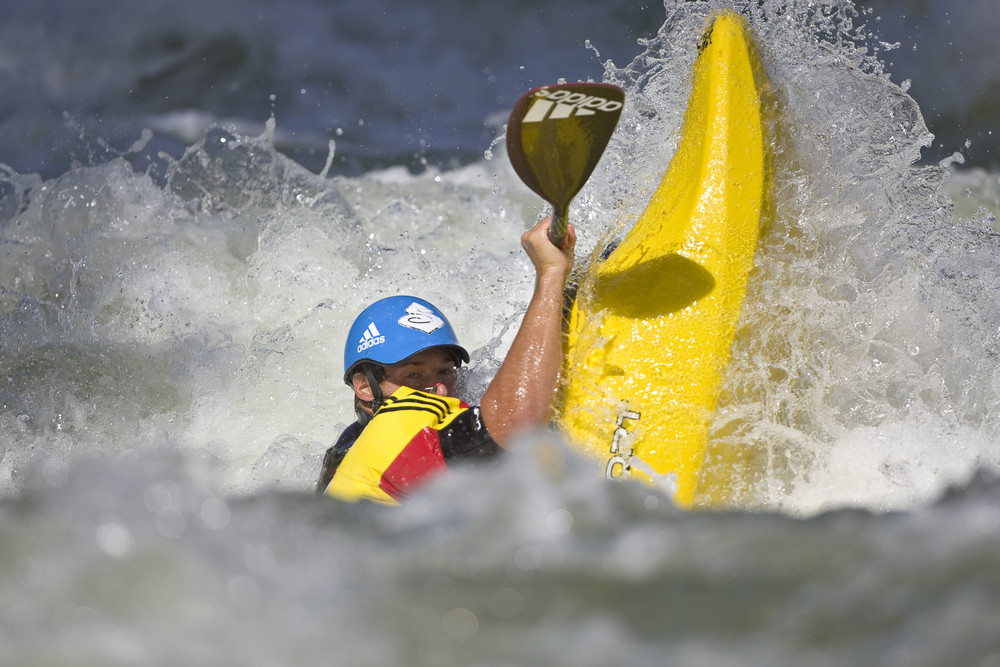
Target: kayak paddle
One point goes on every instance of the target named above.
(555, 137)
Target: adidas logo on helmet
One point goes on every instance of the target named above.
(371, 338)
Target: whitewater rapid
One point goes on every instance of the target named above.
(171, 331)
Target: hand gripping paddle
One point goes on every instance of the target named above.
(555, 137)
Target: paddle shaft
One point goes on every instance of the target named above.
(560, 226)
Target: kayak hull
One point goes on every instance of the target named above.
(653, 321)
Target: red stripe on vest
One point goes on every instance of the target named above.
(416, 464)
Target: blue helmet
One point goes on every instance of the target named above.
(394, 329)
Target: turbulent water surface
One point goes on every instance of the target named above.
(182, 251)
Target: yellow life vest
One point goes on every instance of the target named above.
(398, 449)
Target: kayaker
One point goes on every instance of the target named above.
(401, 360)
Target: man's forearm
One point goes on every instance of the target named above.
(522, 394)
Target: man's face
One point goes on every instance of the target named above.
(424, 371)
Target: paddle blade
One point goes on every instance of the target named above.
(557, 134)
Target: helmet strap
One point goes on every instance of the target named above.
(377, 397)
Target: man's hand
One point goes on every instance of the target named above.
(543, 254)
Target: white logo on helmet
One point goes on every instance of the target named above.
(371, 338)
(421, 318)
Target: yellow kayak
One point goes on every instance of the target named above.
(652, 325)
